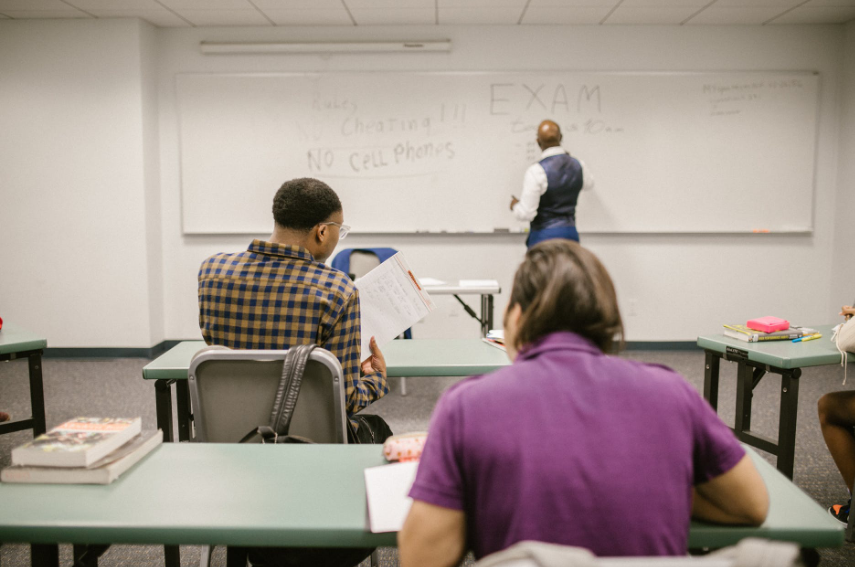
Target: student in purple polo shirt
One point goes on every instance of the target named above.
(571, 446)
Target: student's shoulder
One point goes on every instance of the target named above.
(334, 280)
(220, 259)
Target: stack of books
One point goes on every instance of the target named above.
(744, 333)
(84, 450)
(496, 338)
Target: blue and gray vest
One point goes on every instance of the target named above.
(557, 205)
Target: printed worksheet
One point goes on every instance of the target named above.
(391, 301)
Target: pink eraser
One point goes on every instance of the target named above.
(768, 324)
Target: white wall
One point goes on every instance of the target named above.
(843, 271)
(92, 252)
(73, 182)
(671, 287)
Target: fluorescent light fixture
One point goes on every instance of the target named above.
(326, 47)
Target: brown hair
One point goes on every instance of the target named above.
(561, 286)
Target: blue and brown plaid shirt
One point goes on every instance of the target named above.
(275, 296)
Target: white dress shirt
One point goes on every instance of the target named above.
(535, 184)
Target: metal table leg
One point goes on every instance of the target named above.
(486, 314)
(185, 412)
(711, 370)
(37, 393)
(172, 556)
(787, 421)
(44, 555)
(163, 404)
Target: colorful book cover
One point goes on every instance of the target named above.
(78, 442)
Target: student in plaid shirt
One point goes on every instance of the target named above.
(279, 294)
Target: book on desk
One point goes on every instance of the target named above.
(103, 471)
(748, 335)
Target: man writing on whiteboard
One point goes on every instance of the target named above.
(551, 188)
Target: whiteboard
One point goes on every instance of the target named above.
(411, 152)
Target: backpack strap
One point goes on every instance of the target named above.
(287, 393)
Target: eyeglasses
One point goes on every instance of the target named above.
(343, 229)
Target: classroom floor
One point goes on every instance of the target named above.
(114, 387)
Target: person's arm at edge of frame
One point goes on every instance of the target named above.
(432, 536)
(738, 496)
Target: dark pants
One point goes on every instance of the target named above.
(566, 232)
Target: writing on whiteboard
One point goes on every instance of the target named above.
(513, 98)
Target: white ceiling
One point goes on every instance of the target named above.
(198, 13)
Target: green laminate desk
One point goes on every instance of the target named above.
(404, 358)
(285, 495)
(754, 360)
(15, 343)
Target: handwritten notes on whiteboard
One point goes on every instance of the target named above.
(391, 302)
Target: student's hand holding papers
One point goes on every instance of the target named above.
(376, 362)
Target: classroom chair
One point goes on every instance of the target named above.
(356, 262)
(750, 552)
(232, 393)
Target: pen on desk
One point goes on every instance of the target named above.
(807, 338)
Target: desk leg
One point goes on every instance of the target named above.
(236, 556)
(87, 555)
(182, 391)
(711, 370)
(163, 404)
(486, 314)
(44, 555)
(37, 394)
(172, 556)
(744, 395)
(787, 421)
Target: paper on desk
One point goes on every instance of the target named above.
(387, 487)
(430, 281)
(391, 302)
(478, 283)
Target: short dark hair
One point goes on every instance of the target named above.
(561, 286)
(302, 203)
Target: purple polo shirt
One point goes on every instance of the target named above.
(573, 447)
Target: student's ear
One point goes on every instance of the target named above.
(321, 232)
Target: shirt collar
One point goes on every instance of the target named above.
(276, 249)
(559, 340)
(553, 151)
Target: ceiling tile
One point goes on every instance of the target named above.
(224, 17)
(90, 5)
(162, 18)
(179, 5)
(783, 4)
(744, 15)
(830, 3)
(71, 13)
(658, 15)
(817, 15)
(265, 5)
(362, 4)
(337, 17)
(33, 5)
(581, 15)
(483, 3)
(479, 16)
(566, 4)
(394, 16)
(671, 4)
